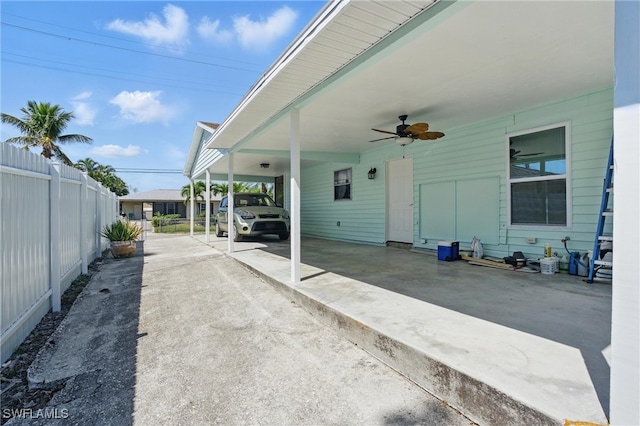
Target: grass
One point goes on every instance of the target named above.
(179, 228)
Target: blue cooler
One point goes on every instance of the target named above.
(448, 250)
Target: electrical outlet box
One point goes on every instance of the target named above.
(338, 223)
(531, 240)
(423, 241)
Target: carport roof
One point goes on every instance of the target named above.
(359, 65)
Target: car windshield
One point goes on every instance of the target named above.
(253, 200)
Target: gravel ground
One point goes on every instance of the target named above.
(14, 390)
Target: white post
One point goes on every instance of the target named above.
(207, 215)
(191, 207)
(295, 196)
(98, 224)
(84, 222)
(54, 237)
(625, 309)
(230, 205)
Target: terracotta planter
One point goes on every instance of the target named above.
(123, 248)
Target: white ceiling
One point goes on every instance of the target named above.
(469, 62)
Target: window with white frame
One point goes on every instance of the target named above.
(537, 177)
(342, 184)
(202, 208)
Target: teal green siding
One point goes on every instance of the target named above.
(476, 152)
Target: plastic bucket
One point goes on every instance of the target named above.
(548, 266)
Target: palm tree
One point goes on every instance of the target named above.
(42, 125)
(199, 188)
(223, 188)
(87, 165)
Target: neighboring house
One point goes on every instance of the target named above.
(164, 201)
(526, 97)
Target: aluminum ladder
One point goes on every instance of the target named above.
(605, 212)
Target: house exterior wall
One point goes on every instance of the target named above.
(464, 168)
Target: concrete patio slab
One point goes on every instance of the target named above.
(504, 347)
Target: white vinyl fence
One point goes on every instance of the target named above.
(51, 216)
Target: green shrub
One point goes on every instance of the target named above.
(122, 230)
(163, 220)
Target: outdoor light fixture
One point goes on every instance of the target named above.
(372, 173)
(403, 140)
(264, 165)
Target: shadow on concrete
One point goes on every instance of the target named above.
(96, 359)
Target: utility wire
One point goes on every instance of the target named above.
(121, 39)
(127, 49)
(199, 87)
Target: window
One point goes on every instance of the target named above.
(538, 177)
(202, 208)
(342, 184)
(171, 208)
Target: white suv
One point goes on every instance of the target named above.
(254, 214)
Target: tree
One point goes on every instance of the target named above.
(103, 173)
(42, 125)
(223, 188)
(86, 165)
(199, 189)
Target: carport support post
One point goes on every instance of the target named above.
(191, 207)
(230, 204)
(207, 215)
(295, 196)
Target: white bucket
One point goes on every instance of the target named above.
(548, 265)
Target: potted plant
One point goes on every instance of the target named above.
(122, 235)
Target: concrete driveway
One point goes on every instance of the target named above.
(181, 334)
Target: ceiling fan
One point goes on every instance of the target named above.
(513, 154)
(407, 133)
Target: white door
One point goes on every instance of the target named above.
(400, 200)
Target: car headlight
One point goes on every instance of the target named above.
(285, 214)
(245, 214)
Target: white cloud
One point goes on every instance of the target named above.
(84, 113)
(251, 35)
(260, 34)
(141, 107)
(173, 32)
(210, 31)
(116, 151)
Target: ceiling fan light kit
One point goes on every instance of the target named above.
(407, 133)
(404, 140)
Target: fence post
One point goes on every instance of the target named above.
(84, 222)
(54, 236)
(98, 227)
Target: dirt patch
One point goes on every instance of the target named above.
(14, 387)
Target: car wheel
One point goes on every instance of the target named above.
(284, 236)
(218, 230)
(236, 234)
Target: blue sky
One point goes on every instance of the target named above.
(138, 75)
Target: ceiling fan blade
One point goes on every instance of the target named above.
(382, 139)
(529, 155)
(417, 128)
(385, 131)
(429, 136)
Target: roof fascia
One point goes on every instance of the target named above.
(337, 157)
